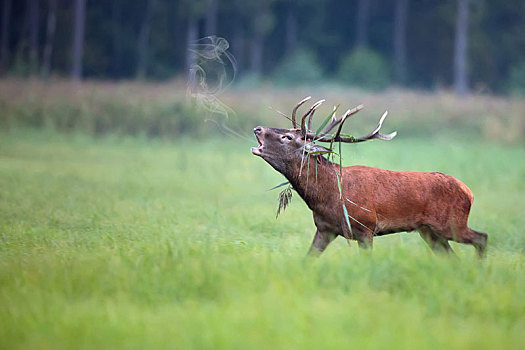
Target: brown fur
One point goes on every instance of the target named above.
(378, 201)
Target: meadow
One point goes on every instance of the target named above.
(169, 240)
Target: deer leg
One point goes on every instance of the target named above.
(320, 242)
(437, 243)
(364, 240)
(475, 238)
(480, 242)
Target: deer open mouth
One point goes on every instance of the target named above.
(258, 150)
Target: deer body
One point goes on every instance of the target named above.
(377, 201)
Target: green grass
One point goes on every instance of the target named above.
(164, 111)
(127, 243)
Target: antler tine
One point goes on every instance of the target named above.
(375, 134)
(310, 113)
(311, 117)
(335, 122)
(294, 111)
(343, 119)
(309, 125)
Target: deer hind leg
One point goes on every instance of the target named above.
(474, 238)
(435, 241)
(320, 242)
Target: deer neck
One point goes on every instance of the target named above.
(315, 180)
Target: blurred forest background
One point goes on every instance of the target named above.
(465, 45)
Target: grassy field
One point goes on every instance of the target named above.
(163, 110)
(126, 242)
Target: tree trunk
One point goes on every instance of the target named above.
(143, 42)
(191, 59)
(400, 33)
(238, 46)
(460, 48)
(33, 7)
(116, 46)
(257, 54)
(50, 38)
(211, 17)
(291, 29)
(260, 27)
(6, 18)
(363, 14)
(78, 39)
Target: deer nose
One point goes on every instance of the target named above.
(257, 130)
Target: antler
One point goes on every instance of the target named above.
(334, 122)
(310, 114)
(294, 111)
(324, 136)
(375, 134)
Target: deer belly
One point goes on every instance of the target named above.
(334, 220)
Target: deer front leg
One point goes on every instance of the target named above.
(320, 242)
(364, 239)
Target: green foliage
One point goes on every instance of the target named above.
(364, 68)
(299, 68)
(264, 22)
(325, 28)
(125, 243)
(249, 81)
(517, 79)
(108, 116)
(164, 110)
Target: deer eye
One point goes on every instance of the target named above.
(289, 137)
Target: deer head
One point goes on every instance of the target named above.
(281, 147)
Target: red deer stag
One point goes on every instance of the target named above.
(360, 202)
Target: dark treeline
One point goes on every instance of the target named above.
(474, 45)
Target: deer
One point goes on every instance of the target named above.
(360, 202)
